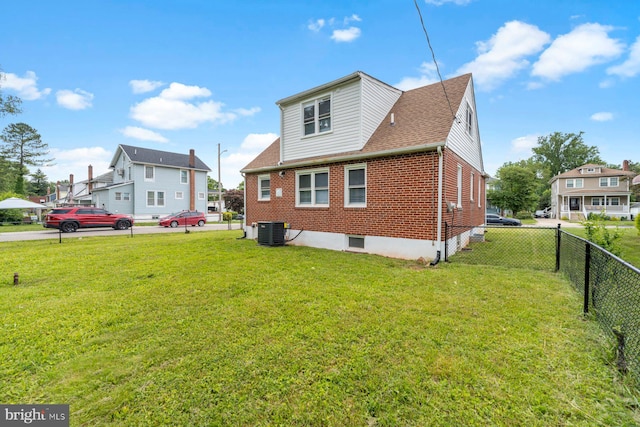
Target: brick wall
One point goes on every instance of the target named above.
(401, 198)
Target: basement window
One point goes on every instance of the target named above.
(356, 242)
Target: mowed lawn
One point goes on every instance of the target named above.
(204, 329)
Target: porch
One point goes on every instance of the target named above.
(579, 207)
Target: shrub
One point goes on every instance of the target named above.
(637, 220)
(227, 216)
(524, 215)
(607, 238)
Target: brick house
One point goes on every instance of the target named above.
(365, 167)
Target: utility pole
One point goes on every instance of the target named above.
(219, 184)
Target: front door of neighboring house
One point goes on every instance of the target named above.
(574, 203)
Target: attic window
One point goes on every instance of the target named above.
(469, 120)
(317, 116)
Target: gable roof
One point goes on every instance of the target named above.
(422, 122)
(148, 156)
(605, 172)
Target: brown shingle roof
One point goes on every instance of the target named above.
(422, 117)
(605, 172)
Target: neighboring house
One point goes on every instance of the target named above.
(149, 183)
(592, 188)
(82, 190)
(365, 167)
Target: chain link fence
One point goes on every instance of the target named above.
(610, 287)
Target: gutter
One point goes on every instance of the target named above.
(349, 157)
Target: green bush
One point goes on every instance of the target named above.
(607, 238)
(227, 216)
(524, 215)
(637, 220)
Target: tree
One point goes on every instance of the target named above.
(560, 152)
(234, 200)
(9, 104)
(24, 146)
(241, 186)
(38, 184)
(515, 189)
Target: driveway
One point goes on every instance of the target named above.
(552, 222)
(48, 233)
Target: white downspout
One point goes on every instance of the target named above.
(439, 229)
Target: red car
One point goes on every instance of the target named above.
(70, 219)
(183, 218)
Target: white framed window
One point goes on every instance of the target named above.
(264, 187)
(201, 195)
(574, 183)
(118, 195)
(479, 191)
(126, 196)
(179, 195)
(312, 188)
(609, 182)
(316, 116)
(459, 186)
(184, 176)
(355, 185)
(149, 173)
(471, 185)
(610, 201)
(469, 120)
(155, 198)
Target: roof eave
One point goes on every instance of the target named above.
(349, 157)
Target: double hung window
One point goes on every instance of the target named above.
(316, 116)
(355, 185)
(312, 188)
(264, 187)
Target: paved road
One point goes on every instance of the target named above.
(48, 233)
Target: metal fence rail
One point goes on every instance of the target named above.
(610, 287)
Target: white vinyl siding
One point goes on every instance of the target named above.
(357, 108)
(466, 145)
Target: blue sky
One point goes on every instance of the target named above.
(175, 75)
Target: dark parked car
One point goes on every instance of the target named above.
(500, 220)
(183, 218)
(71, 218)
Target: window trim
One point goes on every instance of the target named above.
(347, 187)
(356, 248)
(118, 196)
(201, 195)
(186, 176)
(469, 124)
(574, 182)
(156, 198)
(459, 186)
(153, 173)
(313, 189)
(472, 185)
(179, 195)
(608, 181)
(261, 179)
(316, 115)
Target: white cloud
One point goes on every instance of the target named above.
(503, 55)
(524, 143)
(585, 46)
(630, 67)
(346, 36)
(26, 87)
(339, 35)
(602, 116)
(171, 109)
(143, 86)
(428, 75)
(74, 100)
(76, 161)
(441, 2)
(180, 91)
(316, 25)
(251, 146)
(142, 134)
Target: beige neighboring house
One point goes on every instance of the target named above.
(592, 188)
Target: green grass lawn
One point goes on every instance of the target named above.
(203, 329)
(629, 243)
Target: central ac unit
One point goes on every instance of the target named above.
(271, 233)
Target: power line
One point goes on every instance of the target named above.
(433, 55)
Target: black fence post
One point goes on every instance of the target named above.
(558, 234)
(446, 241)
(587, 262)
